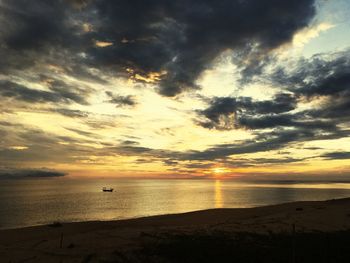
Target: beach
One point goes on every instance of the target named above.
(290, 232)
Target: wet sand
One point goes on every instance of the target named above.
(278, 233)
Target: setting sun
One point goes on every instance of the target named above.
(220, 170)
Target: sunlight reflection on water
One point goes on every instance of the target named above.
(218, 194)
(42, 201)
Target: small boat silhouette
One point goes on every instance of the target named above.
(105, 189)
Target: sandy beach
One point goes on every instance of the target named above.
(235, 235)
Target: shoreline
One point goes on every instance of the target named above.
(75, 241)
(150, 217)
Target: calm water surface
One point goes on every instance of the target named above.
(43, 201)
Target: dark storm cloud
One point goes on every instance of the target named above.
(228, 113)
(322, 75)
(336, 155)
(198, 165)
(59, 92)
(19, 92)
(335, 84)
(29, 173)
(69, 92)
(179, 37)
(133, 150)
(262, 161)
(121, 101)
(281, 103)
(36, 32)
(251, 162)
(266, 122)
(285, 120)
(170, 162)
(220, 107)
(184, 37)
(336, 109)
(32, 25)
(263, 142)
(326, 76)
(46, 37)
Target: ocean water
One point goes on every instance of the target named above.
(28, 202)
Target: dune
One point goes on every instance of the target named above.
(291, 232)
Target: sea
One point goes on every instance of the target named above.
(40, 201)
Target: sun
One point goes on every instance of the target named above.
(219, 172)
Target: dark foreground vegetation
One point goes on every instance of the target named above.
(241, 247)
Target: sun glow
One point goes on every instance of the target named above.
(219, 170)
(18, 148)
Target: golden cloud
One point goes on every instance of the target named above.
(103, 43)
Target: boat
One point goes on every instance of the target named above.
(105, 189)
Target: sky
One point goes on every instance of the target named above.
(175, 89)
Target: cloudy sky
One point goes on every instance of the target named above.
(185, 88)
